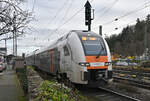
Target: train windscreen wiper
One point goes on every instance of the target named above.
(100, 51)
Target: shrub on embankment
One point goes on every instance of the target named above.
(46, 90)
(53, 91)
(22, 76)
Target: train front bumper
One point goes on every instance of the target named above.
(97, 77)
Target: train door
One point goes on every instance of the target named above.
(34, 60)
(54, 60)
(62, 60)
(51, 61)
(67, 58)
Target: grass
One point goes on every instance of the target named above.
(22, 76)
(20, 93)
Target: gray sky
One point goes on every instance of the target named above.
(51, 14)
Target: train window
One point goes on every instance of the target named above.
(94, 46)
(66, 51)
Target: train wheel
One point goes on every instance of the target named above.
(58, 76)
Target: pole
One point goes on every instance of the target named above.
(15, 35)
(100, 30)
(6, 46)
(13, 44)
(89, 27)
(145, 41)
(88, 18)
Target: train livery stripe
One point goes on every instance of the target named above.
(92, 59)
(51, 61)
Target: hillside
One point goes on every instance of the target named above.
(131, 41)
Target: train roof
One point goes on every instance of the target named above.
(54, 42)
(85, 33)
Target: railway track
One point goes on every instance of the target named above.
(142, 74)
(118, 96)
(131, 70)
(105, 94)
(134, 82)
(134, 77)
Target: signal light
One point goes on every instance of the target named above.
(92, 38)
(84, 38)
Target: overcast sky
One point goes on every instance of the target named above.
(53, 14)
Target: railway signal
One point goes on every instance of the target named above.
(88, 18)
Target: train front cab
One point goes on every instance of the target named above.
(98, 61)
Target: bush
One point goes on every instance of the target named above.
(21, 74)
(52, 91)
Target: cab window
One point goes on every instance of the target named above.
(93, 46)
(66, 51)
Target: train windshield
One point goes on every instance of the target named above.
(93, 46)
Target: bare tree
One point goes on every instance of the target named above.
(12, 17)
(13, 20)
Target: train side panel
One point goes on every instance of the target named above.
(109, 71)
(48, 61)
(43, 61)
(77, 56)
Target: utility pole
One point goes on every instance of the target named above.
(145, 42)
(13, 43)
(14, 36)
(5, 39)
(8, 38)
(6, 46)
(88, 18)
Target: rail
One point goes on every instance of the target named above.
(140, 83)
(119, 94)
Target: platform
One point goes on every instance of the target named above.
(10, 89)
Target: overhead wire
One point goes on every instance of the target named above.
(68, 9)
(107, 9)
(128, 24)
(73, 16)
(57, 13)
(69, 18)
(66, 21)
(104, 8)
(127, 14)
(132, 12)
(54, 18)
(55, 30)
(34, 2)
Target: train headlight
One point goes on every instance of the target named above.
(107, 63)
(86, 64)
(81, 64)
